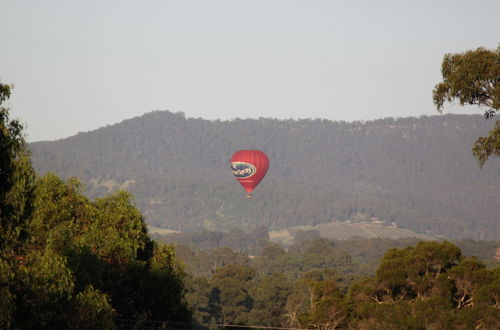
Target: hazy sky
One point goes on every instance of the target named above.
(81, 65)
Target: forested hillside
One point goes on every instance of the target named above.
(416, 173)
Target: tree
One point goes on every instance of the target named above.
(316, 302)
(110, 256)
(93, 310)
(270, 295)
(487, 145)
(230, 298)
(429, 286)
(44, 288)
(16, 194)
(198, 299)
(473, 78)
(16, 177)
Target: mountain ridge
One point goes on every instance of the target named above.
(416, 172)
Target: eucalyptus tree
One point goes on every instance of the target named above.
(473, 78)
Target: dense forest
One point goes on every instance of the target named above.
(317, 284)
(68, 261)
(416, 173)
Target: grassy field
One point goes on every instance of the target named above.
(340, 230)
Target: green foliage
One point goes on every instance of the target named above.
(393, 170)
(269, 296)
(45, 289)
(326, 310)
(426, 286)
(92, 310)
(68, 262)
(108, 248)
(16, 177)
(198, 297)
(118, 233)
(468, 277)
(426, 282)
(486, 146)
(434, 258)
(230, 298)
(7, 296)
(473, 77)
(61, 213)
(208, 262)
(16, 194)
(90, 262)
(235, 238)
(486, 251)
(316, 302)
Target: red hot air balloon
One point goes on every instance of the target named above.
(249, 168)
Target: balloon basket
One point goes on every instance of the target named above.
(248, 196)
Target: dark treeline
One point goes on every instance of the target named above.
(341, 284)
(416, 172)
(239, 277)
(365, 252)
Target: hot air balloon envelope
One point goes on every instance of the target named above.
(249, 168)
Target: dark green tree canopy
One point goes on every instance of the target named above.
(16, 176)
(472, 78)
(67, 262)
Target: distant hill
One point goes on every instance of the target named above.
(416, 173)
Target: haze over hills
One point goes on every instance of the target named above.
(414, 173)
